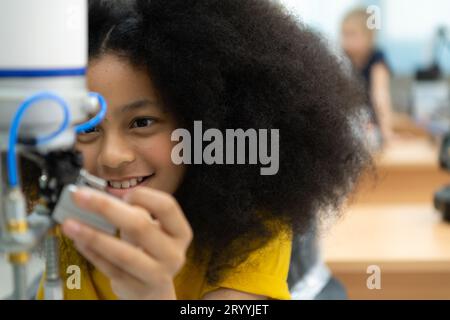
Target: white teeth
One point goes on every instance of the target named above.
(116, 185)
(125, 184)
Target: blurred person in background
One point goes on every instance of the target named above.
(369, 63)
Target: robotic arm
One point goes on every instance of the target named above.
(43, 96)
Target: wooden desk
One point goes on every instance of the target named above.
(408, 172)
(408, 242)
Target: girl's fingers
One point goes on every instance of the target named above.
(110, 270)
(165, 209)
(133, 221)
(124, 285)
(118, 253)
(114, 210)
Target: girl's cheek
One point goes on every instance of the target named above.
(158, 155)
(157, 151)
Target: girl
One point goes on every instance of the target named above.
(207, 231)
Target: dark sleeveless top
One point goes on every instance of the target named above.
(377, 56)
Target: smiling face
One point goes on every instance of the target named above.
(132, 146)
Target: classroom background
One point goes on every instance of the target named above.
(393, 239)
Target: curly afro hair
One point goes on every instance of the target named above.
(244, 64)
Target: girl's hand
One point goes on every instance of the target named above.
(143, 263)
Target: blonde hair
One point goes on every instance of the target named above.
(360, 16)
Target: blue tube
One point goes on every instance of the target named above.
(15, 124)
(14, 130)
(92, 123)
(40, 73)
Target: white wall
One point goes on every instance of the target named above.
(323, 15)
(407, 26)
(414, 19)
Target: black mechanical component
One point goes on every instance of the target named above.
(59, 168)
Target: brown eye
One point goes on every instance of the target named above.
(142, 123)
(88, 135)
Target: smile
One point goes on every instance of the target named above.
(128, 183)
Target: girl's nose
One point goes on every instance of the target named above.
(115, 152)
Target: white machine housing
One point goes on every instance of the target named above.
(43, 48)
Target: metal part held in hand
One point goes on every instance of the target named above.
(87, 179)
(66, 208)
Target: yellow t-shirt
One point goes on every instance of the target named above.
(264, 273)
